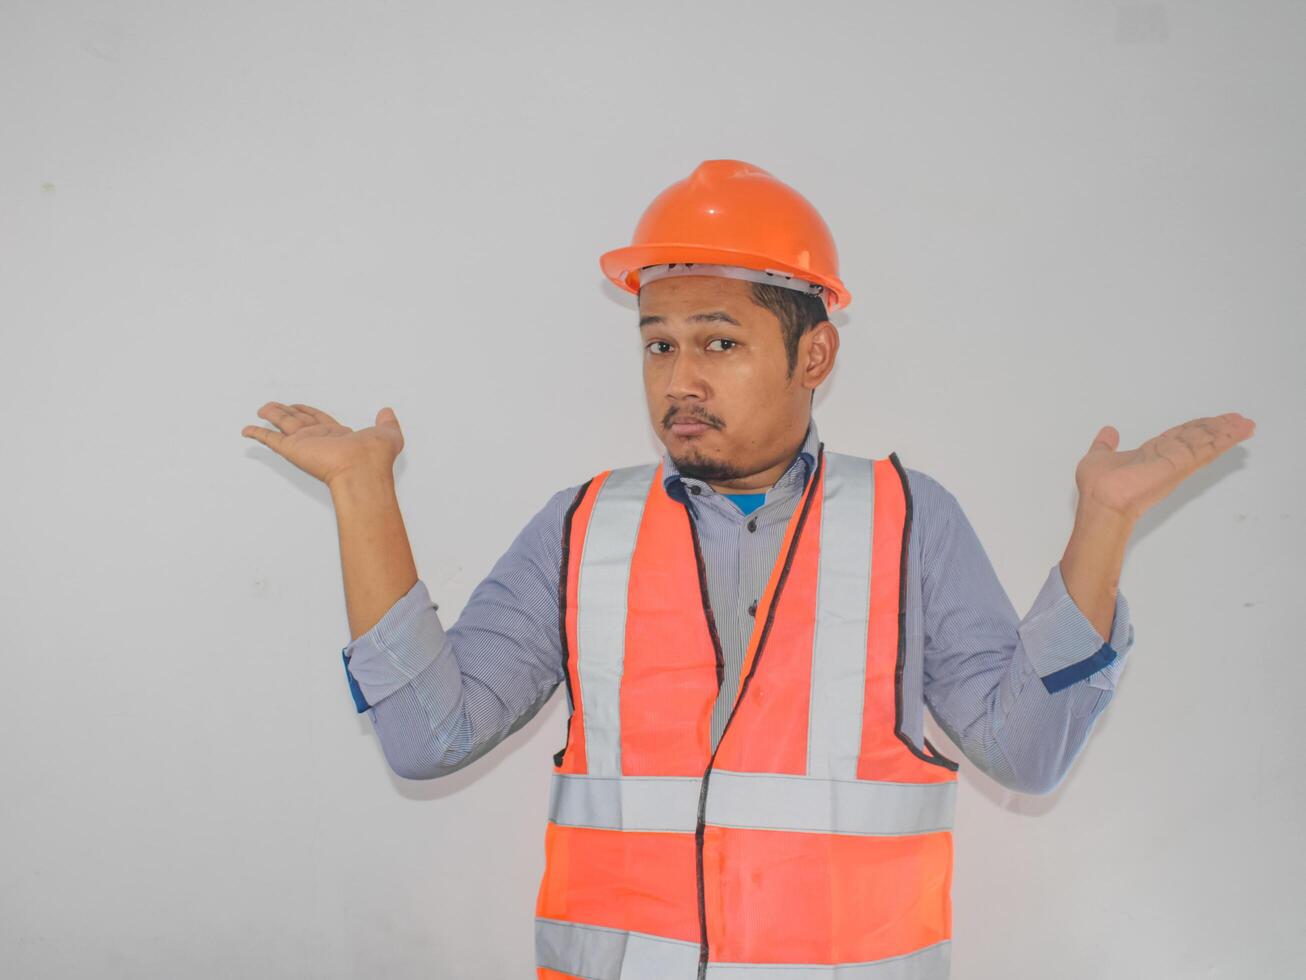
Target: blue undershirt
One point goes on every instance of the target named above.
(747, 502)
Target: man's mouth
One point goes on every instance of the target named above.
(687, 426)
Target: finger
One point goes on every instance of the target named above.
(287, 419)
(1176, 429)
(1208, 438)
(1199, 438)
(1230, 429)
(1172, 452)
(1240, 425)
(1183, 432)
(269, 437)
(317, 413)
(1108, 437)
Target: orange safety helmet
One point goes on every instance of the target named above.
(728, 212)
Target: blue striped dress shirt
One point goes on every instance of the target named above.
(1017, 696)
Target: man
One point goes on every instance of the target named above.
(747, 631)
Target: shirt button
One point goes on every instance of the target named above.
(752, 609)
(695, 490)
(752, 524)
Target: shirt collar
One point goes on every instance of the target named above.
(804, 462)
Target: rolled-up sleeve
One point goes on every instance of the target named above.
(1018, 696)
(1065, 648)
(398, 648)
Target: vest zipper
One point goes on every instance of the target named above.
(707, 608)
(743, 689)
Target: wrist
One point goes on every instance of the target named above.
(1102, 519)
(362, 483)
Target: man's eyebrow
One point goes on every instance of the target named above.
(714, 315)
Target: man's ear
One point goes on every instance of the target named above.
(822, 348)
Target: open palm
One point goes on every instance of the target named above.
(1131, 481)
(321, 446)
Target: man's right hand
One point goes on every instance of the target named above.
(321, 446)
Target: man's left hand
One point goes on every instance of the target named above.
(1130, 481)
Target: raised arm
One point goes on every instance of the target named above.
(1018, 696)
(437, 699)
(440, 699)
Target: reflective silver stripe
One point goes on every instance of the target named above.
(757, 801)
(843, 599)
(599, 953)
(666, 803)
(601, 621)
(765, 801)
(930, 963)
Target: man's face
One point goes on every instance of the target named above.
(716, 377)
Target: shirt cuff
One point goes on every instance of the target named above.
(394, 651)
(1065, 648)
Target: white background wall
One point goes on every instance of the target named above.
(1051, 216)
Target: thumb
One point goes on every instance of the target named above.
(1107, 439)
(387, 417)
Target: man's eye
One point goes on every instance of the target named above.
(656, 344)
(722, 340)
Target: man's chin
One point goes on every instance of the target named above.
(696, 466)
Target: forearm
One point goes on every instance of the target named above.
(375, 555)
(1091, 564)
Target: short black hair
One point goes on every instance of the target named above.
(797, 313)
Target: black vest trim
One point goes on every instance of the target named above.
(933, 756)
(562, 613)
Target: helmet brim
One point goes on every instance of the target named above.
(622, 265)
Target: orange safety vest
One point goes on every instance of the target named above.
(815, 842)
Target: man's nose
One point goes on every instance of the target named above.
(687, 378)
